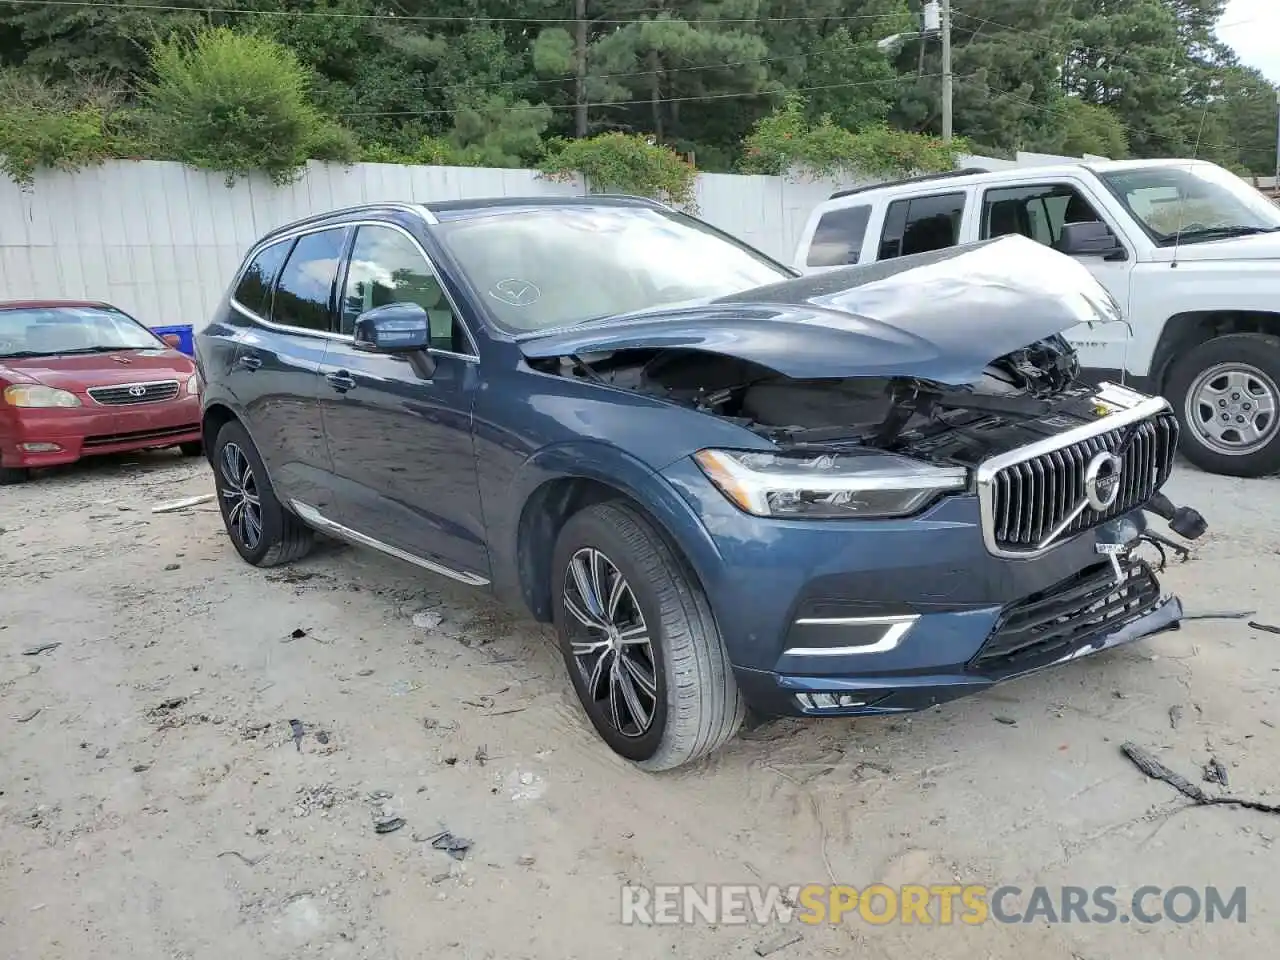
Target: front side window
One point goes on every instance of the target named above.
(1194, 203)
(253, 292)
(54, 331)
(1036, 211)
(837, 240)
(387, 267)
(921, 224)
(540, 268)
(305, 290)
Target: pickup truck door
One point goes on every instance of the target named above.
(1038, 210)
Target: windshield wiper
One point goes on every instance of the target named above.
(1217, 233)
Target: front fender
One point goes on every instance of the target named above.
(613, 467)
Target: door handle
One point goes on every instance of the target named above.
(249, 362)
(341, 381)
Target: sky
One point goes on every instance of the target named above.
(1252, 27)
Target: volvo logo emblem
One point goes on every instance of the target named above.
(137, 391)
(1102, 481)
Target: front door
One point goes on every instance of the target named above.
(401, 448)
(1038, 211)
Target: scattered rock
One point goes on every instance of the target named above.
(1215, 772)
(366, 672)
(141, 767)
(456, 847)
(101, 754)
(382, 823)
(31, 715)
(41, 648)
(1175, 716)
(297, 634)
(427, 619)
(1007, 721)
(781, 941)
(172, 566)
(526, 860)
(482, 754)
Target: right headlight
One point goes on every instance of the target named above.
(38, 395)
(860, 485)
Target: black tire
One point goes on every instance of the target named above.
(12, 475)
(282, 537)
(1255, 357)
(193, 448)
(696, 703)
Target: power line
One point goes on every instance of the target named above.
(647, 101)
(409, 18)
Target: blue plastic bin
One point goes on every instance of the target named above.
(187, 343)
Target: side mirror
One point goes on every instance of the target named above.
(397, 329)
(173, 340)
(1090, 239)
(394, 328)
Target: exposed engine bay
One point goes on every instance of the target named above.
(1022, 397)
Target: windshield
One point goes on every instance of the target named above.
(554, 266)
(49, 331)
(1203, 201)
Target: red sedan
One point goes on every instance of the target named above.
(80, 378)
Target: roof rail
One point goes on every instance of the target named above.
(965, 172)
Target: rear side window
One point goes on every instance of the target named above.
(921, 224)
(253, 292)
(304, 295)
(837, 240)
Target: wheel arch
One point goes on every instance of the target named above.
(559, 494)
(1183, 331)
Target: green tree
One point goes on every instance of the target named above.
(237, 103)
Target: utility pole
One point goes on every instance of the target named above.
(580, 70)
(946, 70)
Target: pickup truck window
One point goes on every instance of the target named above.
(1199, 201)
(921, 224)
(1037, 211)
(837, 240)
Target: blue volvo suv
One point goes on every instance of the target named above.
(864, 492)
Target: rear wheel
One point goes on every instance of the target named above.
(1226, 393)
(261, 530)
(10, 475)
(639, 640)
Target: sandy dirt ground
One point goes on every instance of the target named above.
(158, 806)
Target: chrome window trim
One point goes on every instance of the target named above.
(302, 231)
(1143, 409)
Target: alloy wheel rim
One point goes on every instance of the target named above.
(610, 642)
(241, 503)
(1232, 407)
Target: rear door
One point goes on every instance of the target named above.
(290, 290)
(918, 224)
(400, 445)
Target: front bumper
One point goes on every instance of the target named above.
(45, 437)
(839, 618)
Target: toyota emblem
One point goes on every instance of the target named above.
(137, 391)
(1102, 481)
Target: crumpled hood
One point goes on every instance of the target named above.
(940, 316)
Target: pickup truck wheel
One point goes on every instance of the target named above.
(261, 530)
(1226, 393)
(639, 640)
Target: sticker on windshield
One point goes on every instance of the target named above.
(515, 293)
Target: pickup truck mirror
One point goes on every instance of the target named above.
(1090, 239)
(393, 328)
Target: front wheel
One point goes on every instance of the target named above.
(192, 448)
(11, 475)
(1226, 393)
(261, 530)
(640, 642)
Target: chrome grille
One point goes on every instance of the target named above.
(127, 393)
(1034, 500)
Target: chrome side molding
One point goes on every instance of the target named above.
(314, 518)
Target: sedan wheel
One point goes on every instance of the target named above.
(610, 643)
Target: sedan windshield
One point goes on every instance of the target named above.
(540, 268)
(53, 331)
(1193, 203)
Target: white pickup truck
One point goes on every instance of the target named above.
(1189, 251)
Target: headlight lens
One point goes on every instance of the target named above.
(193, 385)
(862, 485)
(38, 395)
